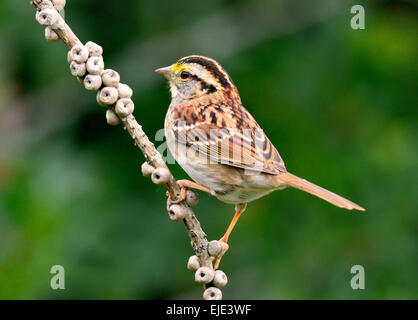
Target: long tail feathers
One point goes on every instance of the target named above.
(318, 191)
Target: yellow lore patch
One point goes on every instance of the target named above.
(177, 67)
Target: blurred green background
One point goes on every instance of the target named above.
(339, 104)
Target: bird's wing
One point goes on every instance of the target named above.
(226, 134)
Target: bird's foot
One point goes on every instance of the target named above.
(224, 249)
(184, 185)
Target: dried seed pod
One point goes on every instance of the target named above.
(193, 264)
(94, 49)
(204, 275)
(192, 198)
(177, 212)
(78, 69)
(79, 53)
(69, 58)
(58, 4)
(51, 35)
(212, 293)
(160, 176)
(110, 78)
(95, 65)
(214, 248)
(47, 17)
(124, 107)
(92, 82)
(112, 118)
(99, 101)
(124, 91)
(108, 96)
(220, 279)
(147, 169)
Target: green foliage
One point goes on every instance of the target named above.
(339, 104)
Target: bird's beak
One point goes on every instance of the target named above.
(164, 71)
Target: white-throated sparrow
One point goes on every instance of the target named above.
(220, 145)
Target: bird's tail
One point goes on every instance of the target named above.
(318, 191)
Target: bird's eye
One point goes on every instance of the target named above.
(184, 75)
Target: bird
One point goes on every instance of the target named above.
(220, 145)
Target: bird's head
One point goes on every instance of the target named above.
(194, 76)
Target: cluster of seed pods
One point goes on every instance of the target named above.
(213, 280)
(86, 63)
(49, 19)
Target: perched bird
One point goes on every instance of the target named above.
(220, 145)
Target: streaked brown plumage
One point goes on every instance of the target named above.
(220, 145)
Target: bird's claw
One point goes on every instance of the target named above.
(182, 196)
(225, 248)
